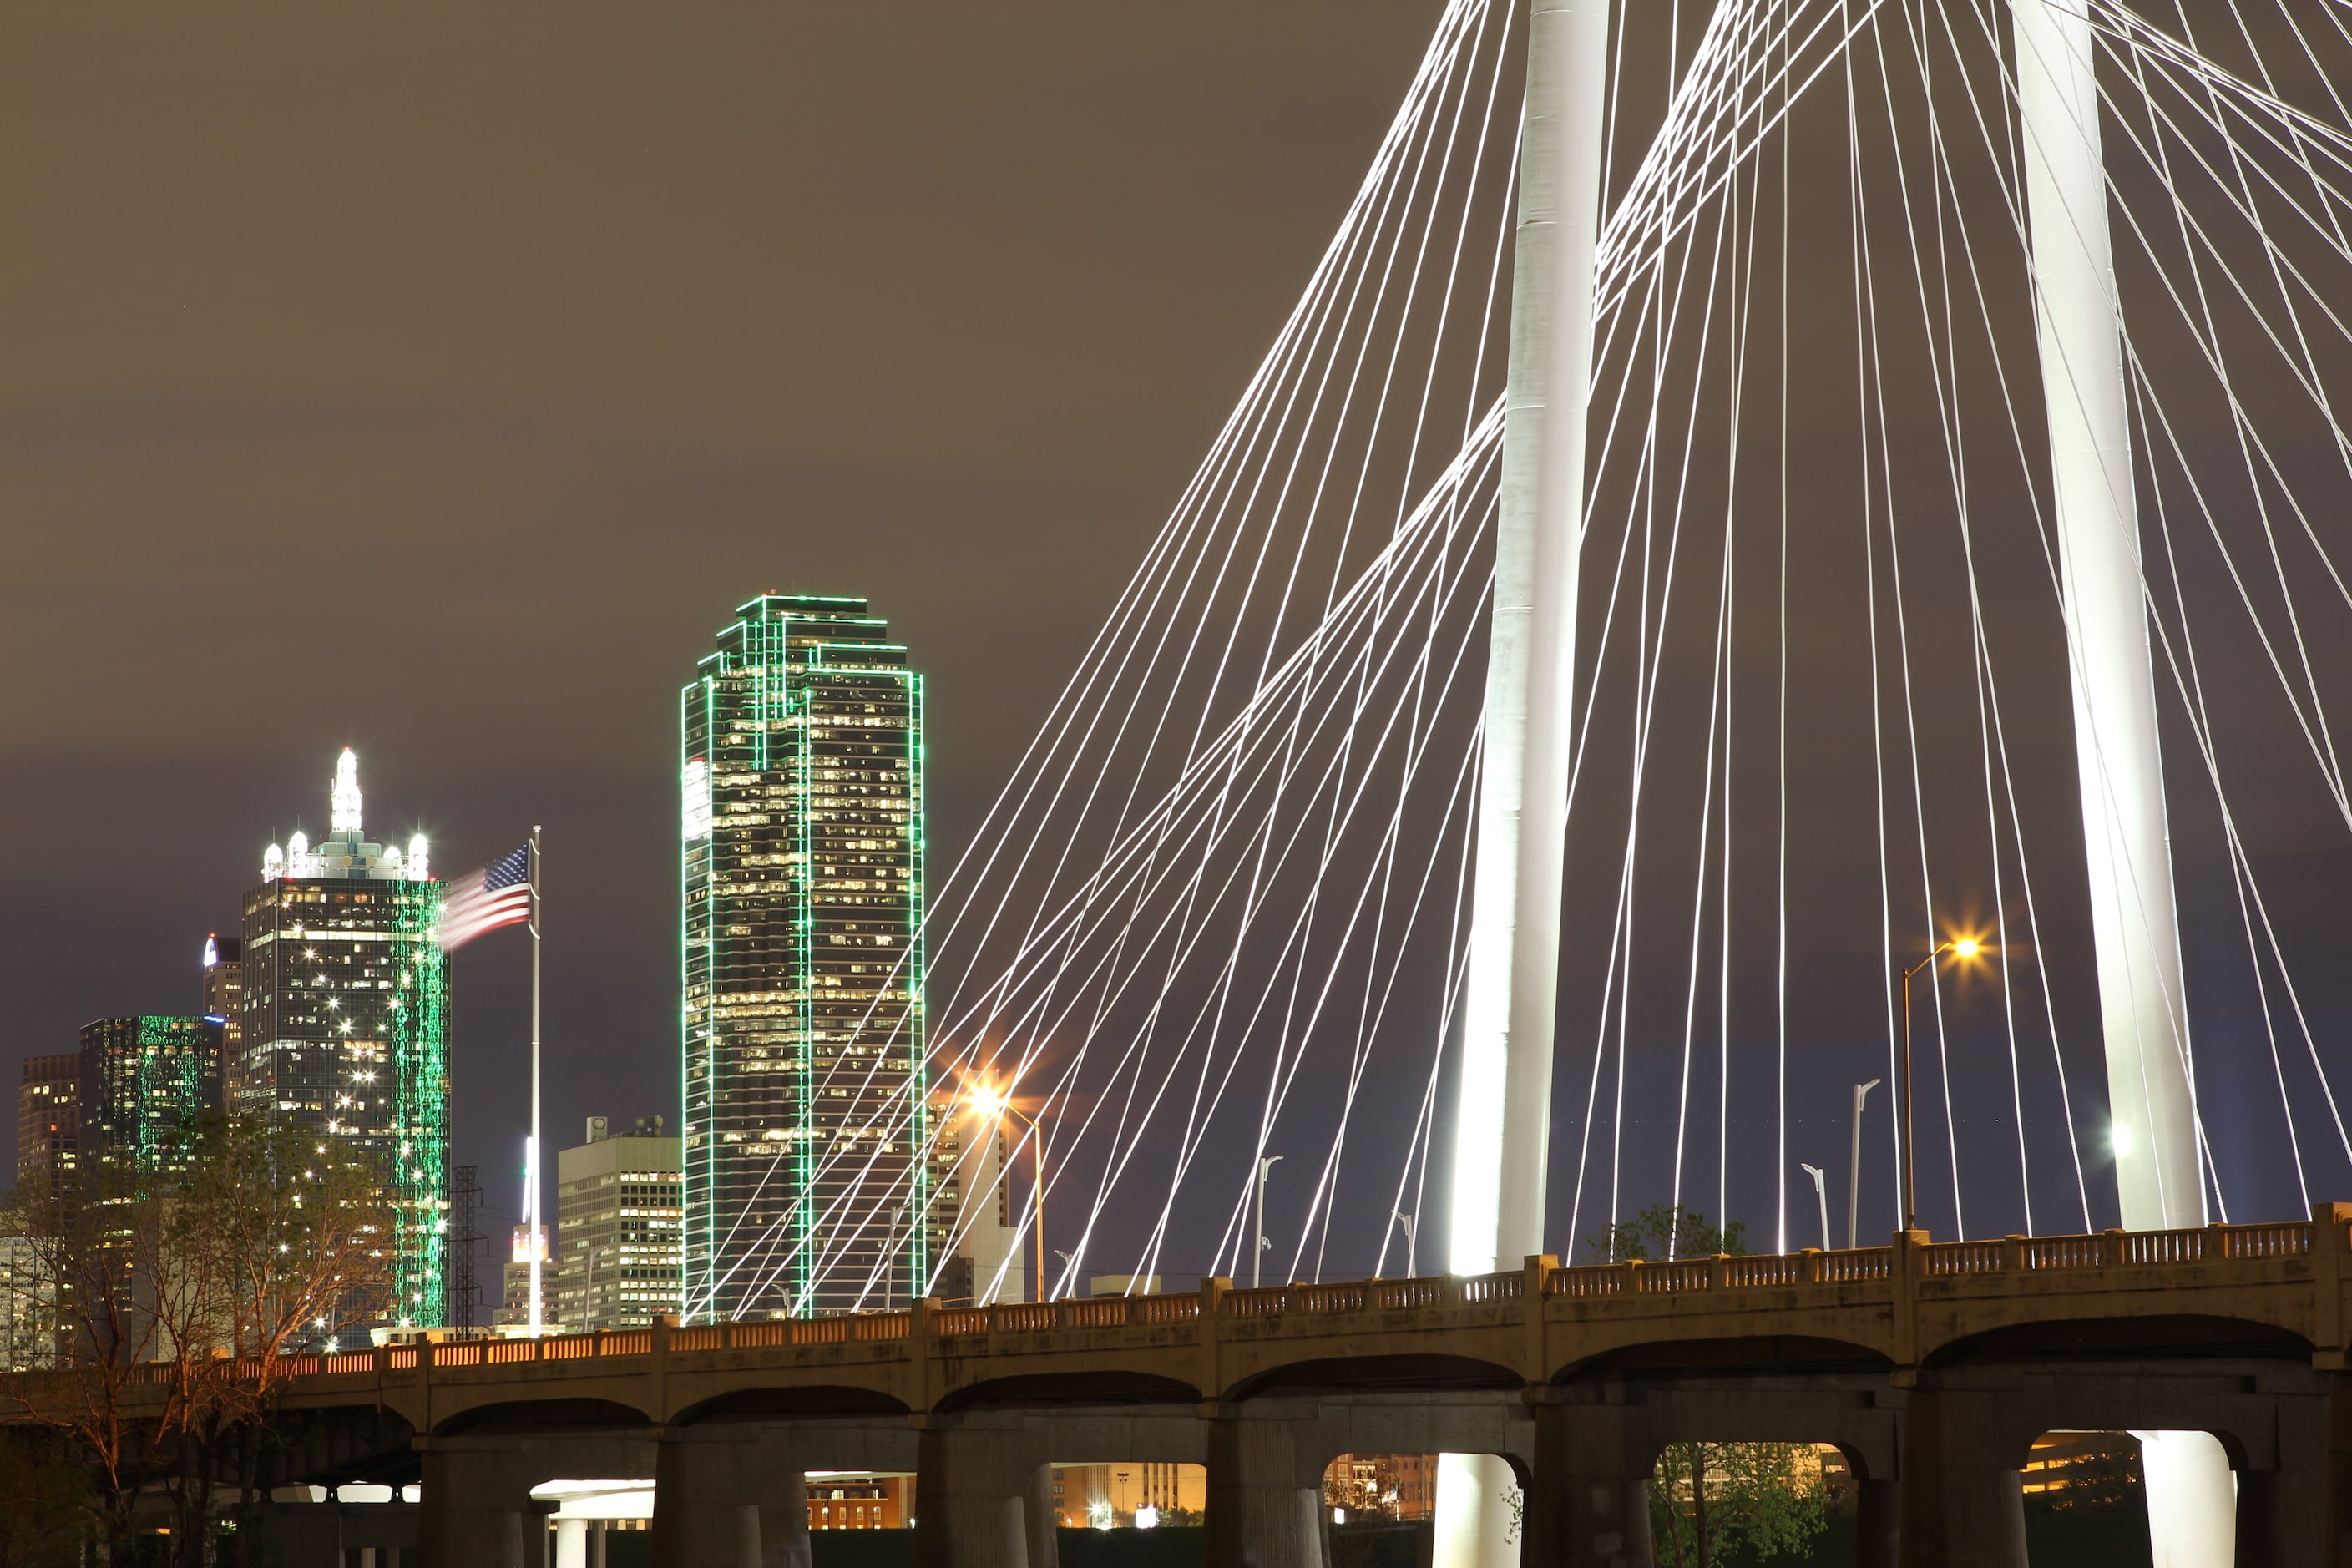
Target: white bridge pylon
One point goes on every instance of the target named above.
(1500, 1151)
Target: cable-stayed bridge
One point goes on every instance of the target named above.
(1750, 494)
(1832, 697)
(1750, 498)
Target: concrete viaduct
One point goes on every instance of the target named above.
(1933, 1366)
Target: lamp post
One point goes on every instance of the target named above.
(1411, 1256)
(1959, 947)
(1853, 1165)
(588, 1292)
(994, 1103)
(1821, 1192)
(1257, 1254)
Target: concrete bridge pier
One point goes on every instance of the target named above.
(477, 1511)
(1878, 1517)
(1587, 1503)
(984, 1475)
(728, 1499)
(1962, 1505)
(1260, 1515)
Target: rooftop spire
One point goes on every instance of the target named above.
(344, 804)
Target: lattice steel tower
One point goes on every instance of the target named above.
(801, 761)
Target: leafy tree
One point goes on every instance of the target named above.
(1664, 1231)
(1752, 1500)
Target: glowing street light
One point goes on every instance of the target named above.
(1965, 947)
(991, 1103)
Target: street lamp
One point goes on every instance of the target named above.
(1257, 1254)
(1959, 947)
(1408, 1221)
(1853, 1165)
(588, 1291)
(1821, 1192)
(992, 1103)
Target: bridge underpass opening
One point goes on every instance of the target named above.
(2086, 1495)
(1380, 1510)
(859, 1499)
(1120, 1514)
(1774, 1502)
(586, 1515)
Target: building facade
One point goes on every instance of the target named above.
(807, 1146)
(28, 1308)
(620, 1260)
(977, 1256)
(513, 1310)
(49, 1117)
(345, 1019)
(223, 974)
(145, 1082)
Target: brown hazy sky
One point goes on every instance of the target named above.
(435, 379)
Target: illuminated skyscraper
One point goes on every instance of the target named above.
(145, 1082)
(801, 757)
(224, 991)
(48, 1117)
(346, 1006)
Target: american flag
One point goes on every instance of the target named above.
(479, 901)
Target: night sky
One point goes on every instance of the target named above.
(438, 382)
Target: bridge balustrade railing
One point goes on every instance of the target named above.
(2039, 1252)
(1767, 1268)
(1961, 1257)
(1020, 1317)
(2011, 1254)
(1267, 1302)
(1181, 1309)
(2295, 1239)
(1589, 1279)
(1855, 1265)
(1400, 1295)
(1479, 1288)
(1685, 1274)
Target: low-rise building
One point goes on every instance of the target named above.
(620, 1259)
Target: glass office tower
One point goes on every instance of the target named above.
(346, 1013)
(801, 758)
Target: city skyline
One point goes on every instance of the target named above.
(544, 506)
(995, 528)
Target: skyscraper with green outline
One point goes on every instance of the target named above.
(800, 763)
(145, 1083)
(346, 998)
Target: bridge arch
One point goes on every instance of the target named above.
(1385, 1375)
(786, 1401)
(1102, 1385)
(1791, 1355)
(504, 1417)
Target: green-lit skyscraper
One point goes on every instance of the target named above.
(346, 1011)
(801, 756)
(145, 1082)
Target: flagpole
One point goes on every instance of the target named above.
(533, 1235)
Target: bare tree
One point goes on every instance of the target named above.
(294, 1234)
(97, 1246)
(186, 1286)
